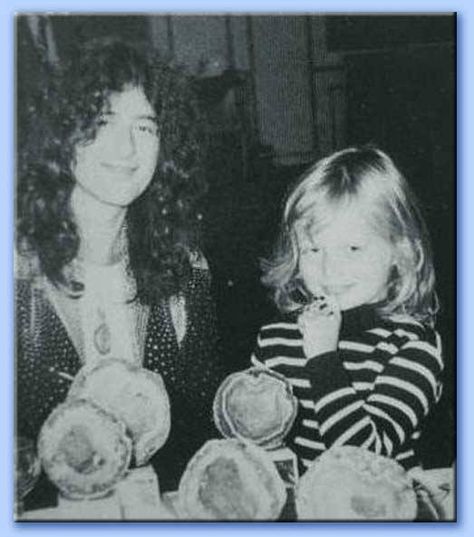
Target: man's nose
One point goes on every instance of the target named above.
(124, 142)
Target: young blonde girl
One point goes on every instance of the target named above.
(353, 277)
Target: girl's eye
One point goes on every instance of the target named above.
(312, 250)
(354, 248)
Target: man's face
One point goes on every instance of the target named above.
(118, 164)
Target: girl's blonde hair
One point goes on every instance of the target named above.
(365, 175)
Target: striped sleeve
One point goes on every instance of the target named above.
(406, 387)
(279, 347)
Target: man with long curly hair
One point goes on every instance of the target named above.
(108, 262)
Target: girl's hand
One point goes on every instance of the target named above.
(319, 323)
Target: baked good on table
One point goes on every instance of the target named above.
(352, 483)
(84, 450)
(133, 394)
(230, 480)
(256, 405)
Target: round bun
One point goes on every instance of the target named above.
(255, 405)
(352, 483)
(133, 394)
(84, 450)
(230, 480)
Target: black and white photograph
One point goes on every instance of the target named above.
(235, 267)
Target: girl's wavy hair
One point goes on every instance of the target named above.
(163, 223)
(368, 175)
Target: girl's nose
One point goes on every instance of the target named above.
(333, 265)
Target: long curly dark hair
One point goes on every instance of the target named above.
(163, 223)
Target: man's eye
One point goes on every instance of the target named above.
(147, 128)
(354, 248)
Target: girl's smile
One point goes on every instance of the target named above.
(337, 290)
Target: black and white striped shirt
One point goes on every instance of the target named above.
(375, 391)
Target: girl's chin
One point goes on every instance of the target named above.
(346, 303)
(347, 306)
(352, 303)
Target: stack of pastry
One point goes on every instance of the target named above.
(115, 413)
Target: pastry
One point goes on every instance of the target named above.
(255, 405)
(352, 483)
(230, 480)
(133, 394)
(83, 449)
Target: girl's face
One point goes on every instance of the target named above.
(118, 165)
(346, 259)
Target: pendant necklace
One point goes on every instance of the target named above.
(102, 337)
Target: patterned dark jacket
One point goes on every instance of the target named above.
(192, 371)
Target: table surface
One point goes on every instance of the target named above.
(436, 501)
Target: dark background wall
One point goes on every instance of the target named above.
(282, 91)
